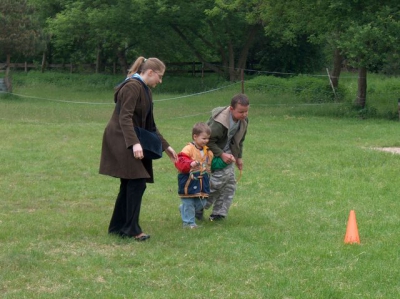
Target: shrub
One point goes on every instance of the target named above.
(171, 84)
(307, 89)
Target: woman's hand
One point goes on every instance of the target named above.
(138, 151)
(171, 154)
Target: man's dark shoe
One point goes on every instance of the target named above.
(200, 214)
(216, 217)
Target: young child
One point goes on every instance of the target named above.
(194, 165)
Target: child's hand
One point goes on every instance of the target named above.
(228, 158)
(194, 164)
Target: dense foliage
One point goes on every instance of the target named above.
(281, 35)
(270, 35)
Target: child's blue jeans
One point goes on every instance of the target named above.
(188, 209)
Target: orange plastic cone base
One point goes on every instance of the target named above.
(352, 230)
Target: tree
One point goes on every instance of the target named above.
(362, 32)
(19, 30)
(101, 30)
(352, 29)
(368, 40)
(306, 25)
(44, 10)
(212, 30)
(176, 30)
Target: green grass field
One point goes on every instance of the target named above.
(303, 173)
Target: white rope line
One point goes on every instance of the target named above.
(94, 103)
(53, 100)
(196, 94)
(91, 123)
(281, 73)
(302, 104)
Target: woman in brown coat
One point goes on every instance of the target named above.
(122, 154)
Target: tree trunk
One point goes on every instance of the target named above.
(98, 59)
(197, 53)
(232, 72)
(7, 78)
(337, 67)
(122, 61)
(362, 88)
(235, 73)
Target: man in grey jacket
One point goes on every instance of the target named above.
(228, 130)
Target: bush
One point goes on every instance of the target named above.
(306, 89)
(79, 81)
(382, 94)
(171, 84)
(186, 84)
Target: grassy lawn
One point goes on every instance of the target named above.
(283, 238)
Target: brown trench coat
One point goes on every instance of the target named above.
(119, 136)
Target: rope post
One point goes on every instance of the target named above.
(7, 80)
(242, 79)
(331, 83)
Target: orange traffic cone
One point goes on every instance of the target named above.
(352, 230)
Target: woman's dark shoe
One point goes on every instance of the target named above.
(142, 237)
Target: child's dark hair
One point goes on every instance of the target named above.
(201, 128)
(240, 99)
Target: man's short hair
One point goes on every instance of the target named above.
(240, 99)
